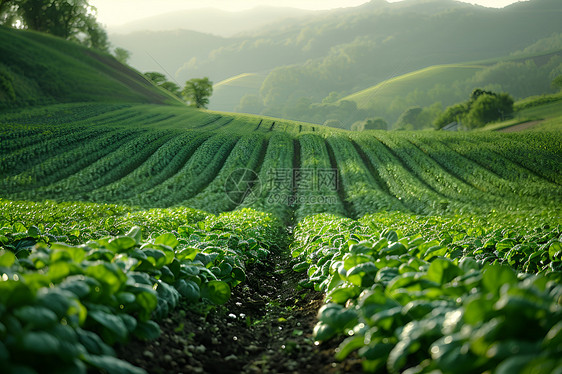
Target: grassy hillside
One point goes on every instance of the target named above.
(227, 93)
(520, 75)
(40, 69)
(384, 93)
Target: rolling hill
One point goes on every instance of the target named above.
(228, 93)
(351, 49)
(138, 237)
(384, 93)
(40, 69)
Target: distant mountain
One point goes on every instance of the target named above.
(213, 21)
(331, 54)
(167, 51)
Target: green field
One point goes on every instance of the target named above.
(384, 93)
(140, 237)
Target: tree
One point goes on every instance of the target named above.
(7, 12)
(155, 77)
(375, 124)
(488, 108)
(197, 92)
(172, 88)
(68, 19)
(482, 108)
(557, 82)
(250, 103)
(454, 113)
(122, 55)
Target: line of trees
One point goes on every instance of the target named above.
(68, 19)
(196, 91)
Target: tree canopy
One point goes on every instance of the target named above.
(197, 92)
(68, 19)
(482, 108)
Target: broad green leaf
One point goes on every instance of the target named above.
(7, 258)
(93, 343)
(189, 290)
(516, 364)
(478, 309)
(168, 239)
(59, 270)
(323, 332)
(40, 342)
(147, 330)
(121, 244)
(136, 233)
(238, 274)
(495, 276)
(109, 275)
(116, 327)
(343, 293)
(349, 345)
(187, 254)
(442, 271)
(37, 316)
(555, 251)
(216, 291)
(397, 358)
(363, 274)
(376, 350)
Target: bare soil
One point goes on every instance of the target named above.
(266, 327)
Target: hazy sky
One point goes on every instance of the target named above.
(116, 12)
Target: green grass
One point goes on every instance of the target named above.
(41, 69)
(424, 79)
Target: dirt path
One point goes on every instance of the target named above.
(520, 127)
(266, 327)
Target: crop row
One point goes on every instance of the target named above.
(161, 165)
(526, 181)
(26, 155)
(111, 167)
(525, 241)
(198, 172)
(407, 304)
(540, 152)
(316, 181)
(64, 306)
(275, 179)
(358, 182)
(231, 185)
(471, 172)
(413, 193)
(65, 164)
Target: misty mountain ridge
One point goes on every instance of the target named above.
(214, 21)
(304, 61)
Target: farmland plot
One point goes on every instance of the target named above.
(424, 252)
